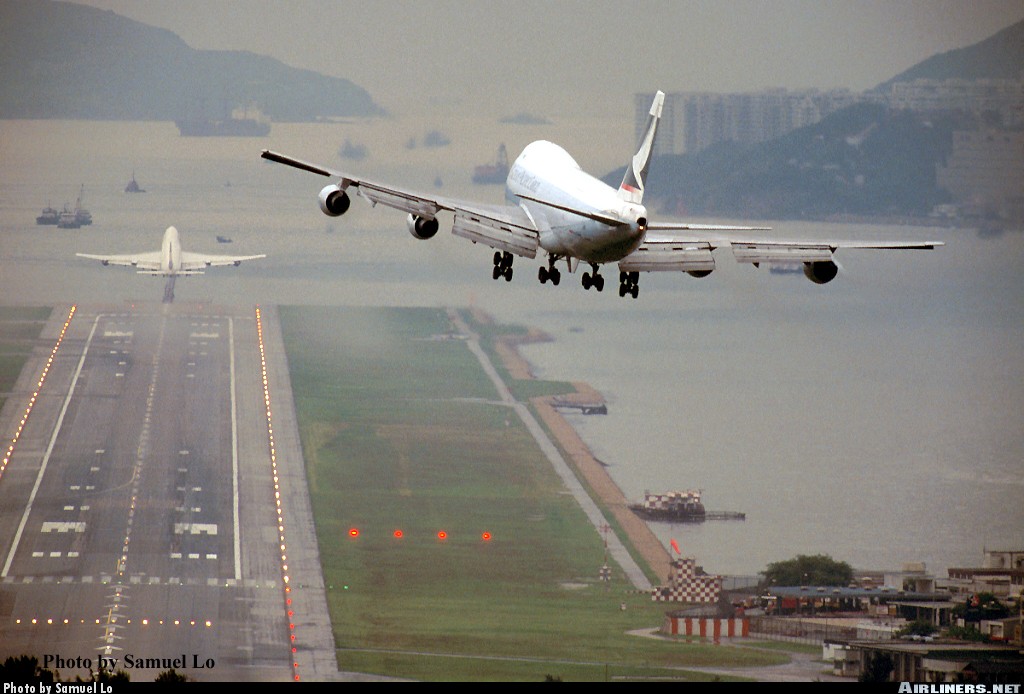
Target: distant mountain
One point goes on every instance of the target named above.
(61, 60)
(865, 160)
(1001, 56)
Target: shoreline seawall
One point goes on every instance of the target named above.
(586, 467)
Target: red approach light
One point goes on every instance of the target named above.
(353, 532)
(398, 534)
(442, 535)
(486, 537)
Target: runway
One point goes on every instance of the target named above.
(153, 513)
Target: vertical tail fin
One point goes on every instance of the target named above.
(632, 187)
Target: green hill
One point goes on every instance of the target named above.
(61, 60)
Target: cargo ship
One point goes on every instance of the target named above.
(680, 507)
(247, 122)
(493, 173)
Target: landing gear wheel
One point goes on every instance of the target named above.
(502, 266)
(629, 283)
(593, 279)
(549, 273)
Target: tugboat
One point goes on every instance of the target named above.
(133, 186)
(49, 216)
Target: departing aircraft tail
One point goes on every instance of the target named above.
(632, 187)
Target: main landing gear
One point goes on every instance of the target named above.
(549, 273)
(503, 265)
(595, 280)
(629, 283)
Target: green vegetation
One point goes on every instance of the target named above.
(19, 330)
(401, 430)
(817, 570)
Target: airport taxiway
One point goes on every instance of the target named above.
(151, 512)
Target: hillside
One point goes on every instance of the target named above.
(866, 160)
(1001, 56)
(863, 160)
(61, 60)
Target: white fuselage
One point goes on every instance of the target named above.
(548, 184)
(170, 252)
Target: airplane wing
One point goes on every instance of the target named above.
(142, 261)
(502, 227)
(689, 248)
(198, 261)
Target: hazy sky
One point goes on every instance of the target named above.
(565, 57)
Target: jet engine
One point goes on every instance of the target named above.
(421, 227)
(334, 201)
(821, 272)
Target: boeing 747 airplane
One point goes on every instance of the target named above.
(170, 260)
(556, 207)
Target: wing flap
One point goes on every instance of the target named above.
(667, 257)
(198, 261)
(760, 252)
(498, 234)
(419, 205)
(143, 261)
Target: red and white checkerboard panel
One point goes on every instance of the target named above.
(685, 586)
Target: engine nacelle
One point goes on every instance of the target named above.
(821, 272)
(334, 201)
(421, 228)
(698, 273)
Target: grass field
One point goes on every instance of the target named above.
(19, 330)
(401, 432)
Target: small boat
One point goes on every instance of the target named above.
(133, 186)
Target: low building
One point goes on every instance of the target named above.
(932, 661)
(1001, 573)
